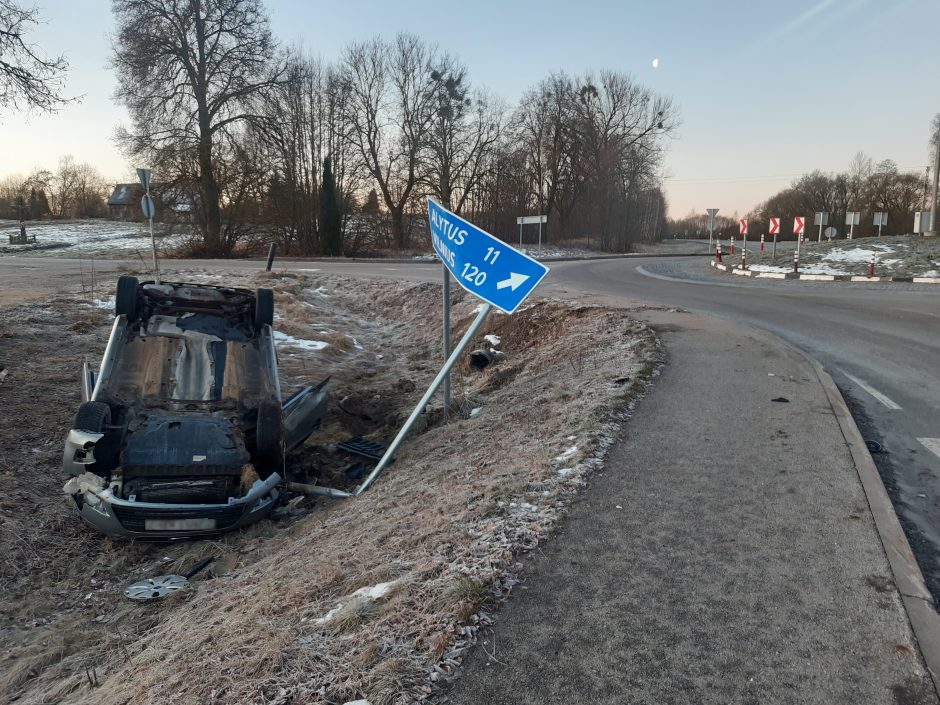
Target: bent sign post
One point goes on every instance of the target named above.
(486, 267)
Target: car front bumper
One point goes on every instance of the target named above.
(162, 522)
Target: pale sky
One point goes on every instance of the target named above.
(766, 90)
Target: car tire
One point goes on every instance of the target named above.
(264, 308)
(95, 417)
(268, 441)
(125, 301)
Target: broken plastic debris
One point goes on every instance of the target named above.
(475, 412)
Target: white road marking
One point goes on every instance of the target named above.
(874, 392)
(931, 444)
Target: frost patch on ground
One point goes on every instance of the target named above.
(566, 454)
(106, 239)
(493, 340)
(290, 341)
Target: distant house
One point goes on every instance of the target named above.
(174, 203)
(124, 202)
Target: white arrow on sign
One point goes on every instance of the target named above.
(514, 281)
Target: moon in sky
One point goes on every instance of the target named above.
(655, 63)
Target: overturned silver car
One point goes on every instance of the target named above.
(182, 433)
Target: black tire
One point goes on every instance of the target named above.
(264, 308)
(95, 417)
(125, 301)
(269, 452)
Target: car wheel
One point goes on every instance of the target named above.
(268, 446)
(125, 302)
(95, 417)
(264, 308)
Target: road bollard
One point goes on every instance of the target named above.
(271, 252)
(743, 259)
(732, 245)
(871, 266)
(796, 262)
(718, 253)
(762, 242)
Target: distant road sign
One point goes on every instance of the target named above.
(531, 219)
(881, 219)
(148, 207)
(774, 226)
(743, 224)
(712, 212)
(852, 217)
(144, 176)
(821, 219)
(799, 225)
(483, 265)
(830, 232)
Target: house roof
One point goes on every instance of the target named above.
(125, 194)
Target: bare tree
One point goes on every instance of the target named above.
(27, 78)
(187, 71)
(391, 104)
(465, 130)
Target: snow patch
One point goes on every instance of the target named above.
(289, 340)
(493, 340)
(567, 454)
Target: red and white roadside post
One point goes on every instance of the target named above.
(796, 261)
(718, 251)
(743, 224)
(762, 242)
(732, 244)
(871, 266)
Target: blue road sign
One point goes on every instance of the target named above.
(147, 207)
(482, 264)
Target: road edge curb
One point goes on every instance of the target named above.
(731, 269)
(908, 578)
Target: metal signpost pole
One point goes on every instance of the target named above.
(540, 238)
(447, 397)
(148, 209)
(451, 361)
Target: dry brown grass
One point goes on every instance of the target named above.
(446, 522)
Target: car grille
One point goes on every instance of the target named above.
(134, 518)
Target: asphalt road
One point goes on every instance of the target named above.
(879, 342)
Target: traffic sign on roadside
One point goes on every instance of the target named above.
(774, 226)
(821, 218)
(144, 176)
(483, 265)
(743, 224)
(799, 225)
(147, 206)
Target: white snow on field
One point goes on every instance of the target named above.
(857, 255)
(493, 340)
(319, 290)
(107, 304)
(804, 269)
(95, 236)
(567, 454)
(290, 341)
